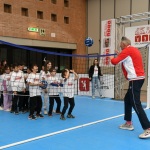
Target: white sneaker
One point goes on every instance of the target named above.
(145, 134)
(101, 96)
(126, 127)
(1, 108)
(93, 97)
(45, 112)
(7, 110)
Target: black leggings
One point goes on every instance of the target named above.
(35, 104)
(1, 99)
(67, 101)
(51, 103)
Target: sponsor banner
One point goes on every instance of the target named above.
(107, 40)
(84, 85)
(107, 86)
(139, 35)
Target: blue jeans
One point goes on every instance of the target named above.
(96, 85)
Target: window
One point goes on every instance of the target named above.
(39, 14)
(66, 3)
(53, 17)
(7, 8)
(53, 1)
(24, 11)
(66, 20)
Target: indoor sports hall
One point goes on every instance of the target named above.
(74, 74)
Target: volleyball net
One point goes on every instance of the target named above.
(112, 81)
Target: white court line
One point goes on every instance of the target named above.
(58, 132)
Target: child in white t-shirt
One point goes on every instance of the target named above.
(68, 92)
(35, 93)
(7, 91)
(18, 87)
(53, 91)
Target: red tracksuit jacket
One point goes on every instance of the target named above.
(132, 64)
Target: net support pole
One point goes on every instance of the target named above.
(148, 80)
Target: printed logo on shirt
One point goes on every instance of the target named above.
(70, 84)
(18, 78)
(48, 75)
(56, 82)
(8, 79)
(36, 79)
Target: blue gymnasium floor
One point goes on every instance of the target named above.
(103, 135)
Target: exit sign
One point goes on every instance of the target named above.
(32, 29)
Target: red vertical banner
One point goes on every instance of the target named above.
(107, 40)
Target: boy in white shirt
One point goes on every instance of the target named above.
(68, 92)
(35, 93)
(53, 91)
(18, 87)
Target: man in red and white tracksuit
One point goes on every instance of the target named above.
(133, 70)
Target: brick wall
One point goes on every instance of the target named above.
(15, 25)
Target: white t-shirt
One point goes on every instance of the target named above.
(6, 81)
(53, 89)
(44, 75)
(68, 87)
(95, 71)
(17, 81)
(34, 90)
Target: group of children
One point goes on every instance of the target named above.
(22, 92)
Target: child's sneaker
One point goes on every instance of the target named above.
(50, 115)
(62, 117)
(93, 97)
(101, 96)
(145, 135)
(70, 116)
(7, 109)
(1, 108)
(32, 117)
(23, 111)
(11, 111)
(16, 113)
(39, 116)
(126, 127)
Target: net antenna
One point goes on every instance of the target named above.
(120, 31)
